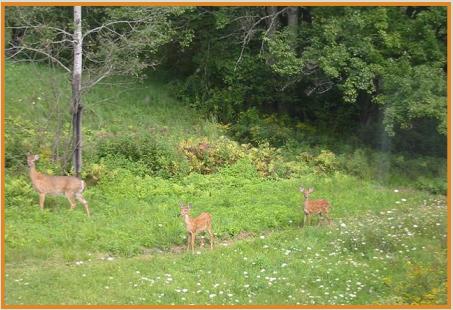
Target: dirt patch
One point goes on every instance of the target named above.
(202, 244)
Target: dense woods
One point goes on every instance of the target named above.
(350, 72)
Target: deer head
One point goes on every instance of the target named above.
(31, 159)
(306, 192)
(184, 209)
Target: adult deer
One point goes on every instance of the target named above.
(56, 185)
(320, 206)
(195, 225)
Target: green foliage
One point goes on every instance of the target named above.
(19, 192)
(251, 127)
(157, 156)
(413, 93)
(145, 153)
(284, 57)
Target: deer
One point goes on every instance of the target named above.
(320, 206)
(195, 225)
(56, 185)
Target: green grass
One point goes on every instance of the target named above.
(387, 245)
(371, 259)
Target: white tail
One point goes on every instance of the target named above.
(69, 186)
(195, 225)
(320, 206)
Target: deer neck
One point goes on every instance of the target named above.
(305, 202)
(188, 221)
(33, 174)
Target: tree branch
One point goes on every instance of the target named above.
(249, 33)
(40, 52)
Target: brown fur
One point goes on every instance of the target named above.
(315, 207)
(195, 225)
(69, 186)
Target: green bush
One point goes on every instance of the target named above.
(19, 192)
(145, 153)
(252, 127)
(323, 163)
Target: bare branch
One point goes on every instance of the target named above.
(40, 52)
(97, 29)
(271, 26)
(249, 33)
(62, 31)
(98, 79)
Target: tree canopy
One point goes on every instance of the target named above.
(352, 69)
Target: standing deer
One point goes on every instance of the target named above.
(320, 206)
(56, 185)
(195, 225)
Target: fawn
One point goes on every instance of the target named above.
(195, 225)
(56, 185)
(320, 206)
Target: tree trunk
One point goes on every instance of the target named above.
(271, 24)
(293, 22)
(76, 89)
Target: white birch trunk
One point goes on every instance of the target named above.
(76, 89)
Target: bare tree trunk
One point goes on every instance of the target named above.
(76, 89)
(271, 22)
(293, 21)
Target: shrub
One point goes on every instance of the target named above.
(324, 163)
(157, 155)
(208, 156)
(18, 192)
(253, 128)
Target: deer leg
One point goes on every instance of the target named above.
(319, 219)
(188, 240)
(42, 198)
(83, 201)
(329, 219)
(192, 242)
(71, 199)
(211, 239)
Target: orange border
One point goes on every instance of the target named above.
(225, 3)
(2, 296)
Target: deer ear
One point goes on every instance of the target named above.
(181, 205)
(311, 190)
(189, 205)
(301, 189)
(36, 157)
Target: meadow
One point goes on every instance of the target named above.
(387, 245)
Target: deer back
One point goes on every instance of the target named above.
(201, 222)
(57, 184)
(316, 206)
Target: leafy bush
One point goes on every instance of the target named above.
(18, 142)
(18, 192)
(158, 157)
(251, 127)
(207, 156)
(324, 163)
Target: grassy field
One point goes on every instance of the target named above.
(387, 244)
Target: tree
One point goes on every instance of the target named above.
(77, 106)
(111, 41)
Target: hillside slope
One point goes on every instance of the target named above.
(387, 245)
